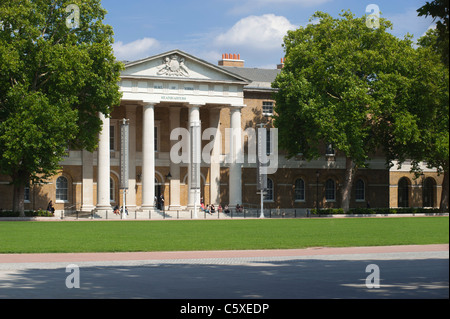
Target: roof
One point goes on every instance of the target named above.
(261, 79)
(235, 76)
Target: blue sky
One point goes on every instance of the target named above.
(252, 28)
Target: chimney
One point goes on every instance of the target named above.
(229, 59)
(280, 66)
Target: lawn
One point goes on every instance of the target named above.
(128, 236)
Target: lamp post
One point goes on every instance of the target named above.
(124, 163)
(317, 191)
(261, 170)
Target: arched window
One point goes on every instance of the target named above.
(269, 190)
(330, 190)
(429, 186)
(62, 189)
(403, 192)
(360, 192)
(300, 189)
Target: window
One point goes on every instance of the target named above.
(403, 192)
(156, 139)
(62, 189)
(359, 190)
(111, 190)
(26, 195)
(267, 108)
(112, 137)
(330, 190)
(269, 190)
(268, 142)
(66, 152)
(300, 190)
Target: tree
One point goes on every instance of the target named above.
(426, 139)
(439, 9)
(338, 76)
(56, 74)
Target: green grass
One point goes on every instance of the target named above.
(128, 236)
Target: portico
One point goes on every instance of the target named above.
(173, 90)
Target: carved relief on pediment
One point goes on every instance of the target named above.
(173, 65)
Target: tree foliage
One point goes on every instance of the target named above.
(439, 10)
(356, 87)
(54, 80)
(426, 139)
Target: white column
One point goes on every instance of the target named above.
(235, 182)
(194, 120)
(131, 195)
(88, 181)
(174, 197)
(214, 169)
(148, 157)
(103, 167)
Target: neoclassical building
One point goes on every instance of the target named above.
(177, 104)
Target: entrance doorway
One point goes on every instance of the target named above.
(158, 191)
(403, 192)
(429, 186)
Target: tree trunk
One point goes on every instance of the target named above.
(18, 200)
(444, 197)
(20, 179)
(346, 191)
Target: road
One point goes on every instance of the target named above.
(405, 272)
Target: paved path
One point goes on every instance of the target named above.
(405, 272)
(228, 254)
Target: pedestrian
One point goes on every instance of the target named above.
(213, 209)
(51, 208)
(161, 201)
(226, 210)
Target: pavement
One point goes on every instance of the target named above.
(14, 261)
(404, 272)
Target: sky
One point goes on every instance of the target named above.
(252, 28)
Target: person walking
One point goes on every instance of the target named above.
(51, 208)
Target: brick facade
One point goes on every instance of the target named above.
(380, 183)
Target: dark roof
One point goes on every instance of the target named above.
(261, 78)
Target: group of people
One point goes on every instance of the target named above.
(210, 209)
(118, 210)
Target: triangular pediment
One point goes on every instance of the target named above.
(179, 66)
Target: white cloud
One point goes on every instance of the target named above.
(258, 32)
(135, 50)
